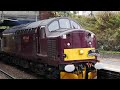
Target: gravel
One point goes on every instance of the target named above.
(13, 71)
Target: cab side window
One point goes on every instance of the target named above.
(75, 25)
(53, 26)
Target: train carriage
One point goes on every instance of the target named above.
(58, 47)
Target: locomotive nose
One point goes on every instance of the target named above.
(79, 45)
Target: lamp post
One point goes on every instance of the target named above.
(91, 13)
(2, 15)
(36, 16)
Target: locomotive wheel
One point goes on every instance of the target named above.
(92, 75)
(52, 73)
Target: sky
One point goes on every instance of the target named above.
(83, 12)
(80, 12)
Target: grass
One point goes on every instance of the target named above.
(109, 52)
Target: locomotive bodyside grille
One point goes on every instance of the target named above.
(52, 48)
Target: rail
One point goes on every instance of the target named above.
(7, 75)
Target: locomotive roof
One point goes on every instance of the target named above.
(32, 25)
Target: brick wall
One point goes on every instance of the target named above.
(45, 14)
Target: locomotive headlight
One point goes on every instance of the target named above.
(69, 68)
(81, 51)
(99, 65)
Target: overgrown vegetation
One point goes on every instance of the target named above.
(109, 52)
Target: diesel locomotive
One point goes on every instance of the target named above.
(57, 48)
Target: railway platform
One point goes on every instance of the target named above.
(109, 67)
(110, 62)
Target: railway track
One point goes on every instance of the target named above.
(6, 75)
(16, 72)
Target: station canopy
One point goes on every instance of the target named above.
(7, 23)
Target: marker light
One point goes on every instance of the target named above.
(68, 44)
(64, 55)
(64, 37)
(92, 35)
(90, 43)
(69, 68)
(81, 52)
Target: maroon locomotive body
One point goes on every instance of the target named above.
(50, 45)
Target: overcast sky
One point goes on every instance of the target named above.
(83, 12)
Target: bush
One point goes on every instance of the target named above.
(106, 27)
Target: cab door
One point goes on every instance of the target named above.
(41, 41)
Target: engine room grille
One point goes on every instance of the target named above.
(106, 74)
(52, 49)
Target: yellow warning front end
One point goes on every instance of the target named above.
(77, 54)
(79, 70)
